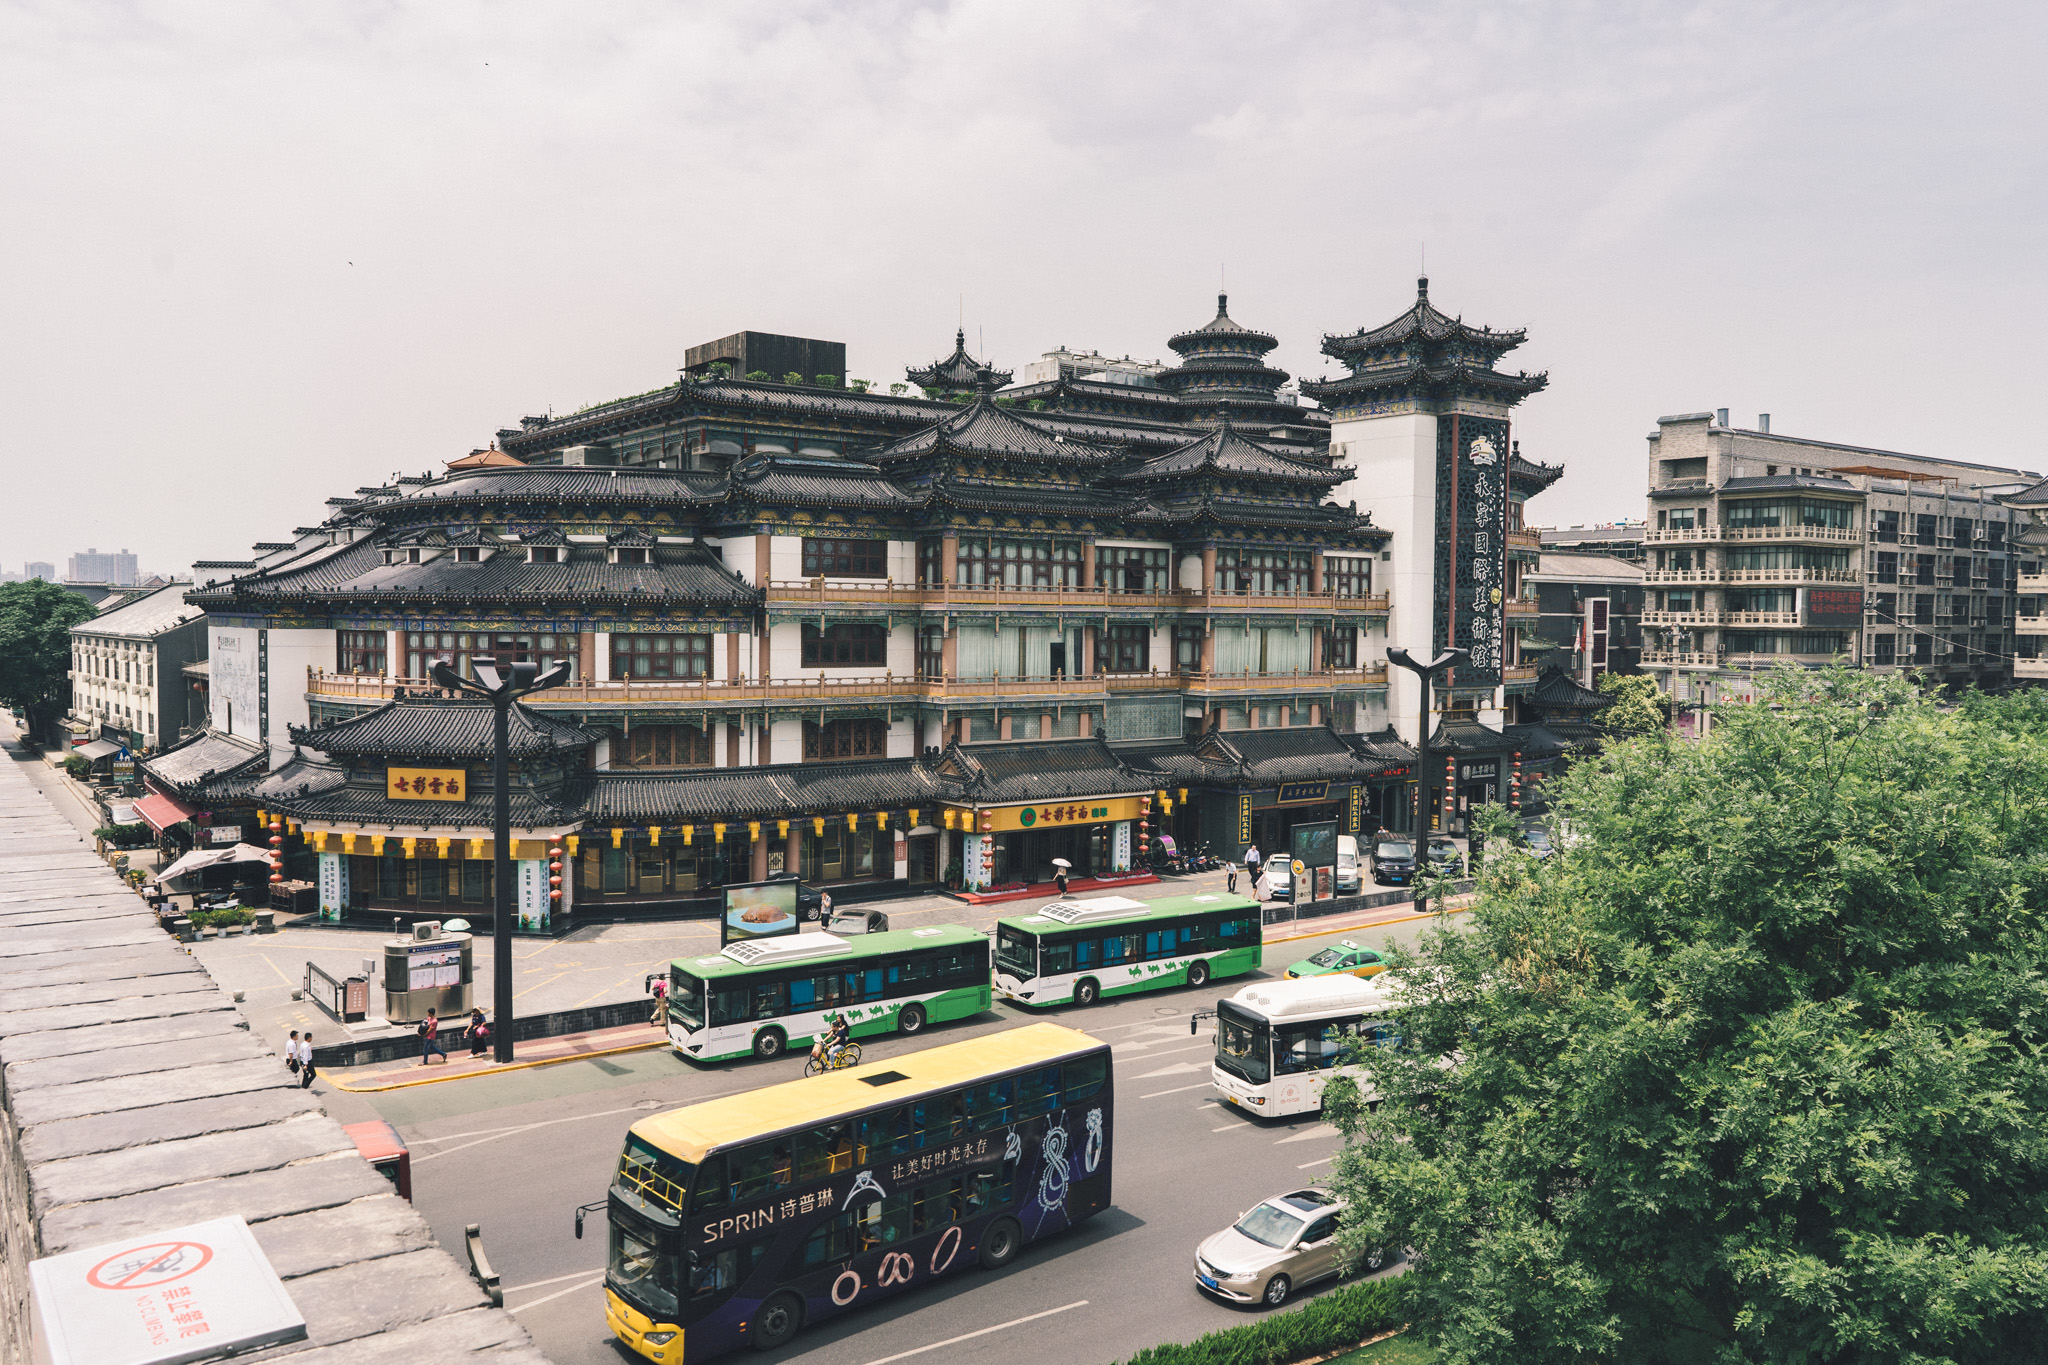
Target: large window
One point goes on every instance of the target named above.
(360, 651)
(931, 652)
(1786, 557)
(1019, 563)
(1347, 575)
(1123, 568)
(1261, 571)
(1887, 566)
(1763, 599)
(1788, 642)
(1884, 526)
(661, 656)
(662, 746)
(423, 649)
(1786, 512)
(845, 558)
(1127, 647)
(846, 646)
(863, 738)
(1340, 647)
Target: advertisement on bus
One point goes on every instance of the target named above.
(758, 910)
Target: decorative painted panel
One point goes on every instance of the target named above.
(1471, 544)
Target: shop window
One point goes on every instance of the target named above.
(360, 651)
(1127, 647)
(663, 746)
(1347, 576)
(840, 558)
(661, 656)
(423, 649)
(1340, 647)
(838, 739)
(476, 881)
(617, 867)
(846, 646)
(432, 879)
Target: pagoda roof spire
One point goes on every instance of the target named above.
(1423, 352)
(957, 371)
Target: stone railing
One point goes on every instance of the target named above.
(961, 597)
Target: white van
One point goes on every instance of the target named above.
(1347, 864)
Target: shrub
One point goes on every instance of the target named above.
(792, 378)
(218, 919)
(898, 390)
(77, 766)
(124, 836)
(828, 381)
(758, 376)
(721, 369)
(857, 385)
(1337, 1321)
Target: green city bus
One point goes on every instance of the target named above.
(764, 995)
(1111, 945)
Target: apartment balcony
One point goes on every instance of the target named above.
(2030, 625)
(1522, 609)
(2032, 582)
(1524, 544)
(1681, 576)
(822, 595)
(1519, 673)
(821, 689)
(1680, 658)
(1682, 535)
(1720, 618)
(1788, 576)
(1749, 535)
(2030, 668)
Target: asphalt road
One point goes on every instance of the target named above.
(517, 1153)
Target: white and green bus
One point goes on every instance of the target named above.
(768, 994)
(1082, 950)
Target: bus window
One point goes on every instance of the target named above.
(730, 1004)
(885, 1221)
(714, 1277)
(643, 1269)
(1057, 957)
(830, 1241)
(686, 999)
(939, 1119)
(988, 1105)
(712, 1192)
(886, 1134)
(824, 1151)
(803, 993)
(870, 983)
(760, 1170)
(1241, 1047)
(770, 999)
(934, 1206)
(1038, 1092)
(1085, 1075)
(1087, 952)
(1118, 948)
(1306, 1047)
(1160, 942)
(1016, 952)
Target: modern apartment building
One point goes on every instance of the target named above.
(1765, 548)
(2029, 540)
(127, 669)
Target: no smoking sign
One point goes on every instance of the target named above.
(179, 1295)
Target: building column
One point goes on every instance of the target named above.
(793, 849)
(601, 655)
(394, 659)
(949, 651)
(333, 881)
(1003, 726)
(1087, 563)
(759, 871)
(1120, 847)
(1209, 645)
(1087, 724)
(949, 558)
(1315, 642)
(1088, 650)
(1208, 569)
(1315, 571)
(974, 860)
(762, 545)
(732, 656)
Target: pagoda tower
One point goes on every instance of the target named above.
(957, 373)
(1222, 361)
(1420, 420)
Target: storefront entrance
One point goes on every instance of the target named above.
(1027, 855)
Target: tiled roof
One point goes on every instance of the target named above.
(1264, 758)
(986, 428)
(813, 481)
(1222, 327)
(302, 775)
(1039, 770)
(1382, 748)
(204, 757)
(1558, 688)
(1773, 482)
(780, 791)
(1172, 760)
(2035, 496)
(370, 805)
(1028, 497)
(631, 486)
(144, 615)
(439, 729)
(957, 371)
(1224, 451)
(1423, 321)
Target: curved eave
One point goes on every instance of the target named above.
(252, 601)
(1435, 382)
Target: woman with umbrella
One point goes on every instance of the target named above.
(1059, 875)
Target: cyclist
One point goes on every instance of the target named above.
(826, 1049)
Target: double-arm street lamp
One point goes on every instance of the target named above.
(1423, 673)
(501, 684)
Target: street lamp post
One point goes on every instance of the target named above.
(1423, 673)
(501, 685)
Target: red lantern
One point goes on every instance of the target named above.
(555, 866)
(276, 825)
(276, 877)
(554, 881)
(555, 895)
(277, 841)
(554, 850)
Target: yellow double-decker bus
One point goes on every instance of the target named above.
(735, 1221)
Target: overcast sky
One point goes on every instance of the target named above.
(255, 256)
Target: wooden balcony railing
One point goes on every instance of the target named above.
(1519, 673)
(1525, 540)
(963, 597)
(1714, 532)
(712, 694)
(1522, 608)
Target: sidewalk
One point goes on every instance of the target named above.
(569, 1047)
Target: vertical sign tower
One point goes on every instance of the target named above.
(1420, 421)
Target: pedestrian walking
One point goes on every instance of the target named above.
(1251, 862)
(660, 1016)
(1230, 878)
(306, 1062)
(1059, 879)
(824, 909)
(291, 1053)
(430, 1038)
(479, 1033)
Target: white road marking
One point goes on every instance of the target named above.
(1240, 1125)
(1157, 1093)
(1169, 1052)
(572, 1275)
(550, 1298)
(969, 1336)
(1311, 1165)
(1176, 1069)
(1321, 1130)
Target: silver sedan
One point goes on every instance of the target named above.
(1274, 1249)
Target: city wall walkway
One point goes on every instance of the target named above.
(135, 1100)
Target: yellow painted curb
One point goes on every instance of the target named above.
(1366, 928)
(496, 1071)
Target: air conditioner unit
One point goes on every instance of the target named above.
(426, 929)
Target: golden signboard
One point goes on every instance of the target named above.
(426, 784)
(1060, 814)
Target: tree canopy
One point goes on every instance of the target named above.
(35, 642)
(1752, 1068)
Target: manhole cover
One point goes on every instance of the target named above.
(648, 1104)
(1166, 1009)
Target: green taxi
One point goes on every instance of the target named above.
(1344, 959)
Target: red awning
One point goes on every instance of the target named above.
(161, 812)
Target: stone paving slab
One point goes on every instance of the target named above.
(190, 1118)
(137, 1100)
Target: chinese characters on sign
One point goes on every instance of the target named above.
(1471, 535)
(426, 784)
(1834, 606)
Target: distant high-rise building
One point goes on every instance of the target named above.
(37, 569)
(94, 567)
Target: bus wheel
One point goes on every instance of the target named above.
(769, 1042)
(999, 1243)
(778, 1320)
(1086, 992)
(911, 1019)
(1198, 973)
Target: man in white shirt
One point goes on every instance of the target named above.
(306, 1062)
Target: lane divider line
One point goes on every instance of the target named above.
(1203, 1085)
(573, 1275)
(495, 1071)
(550, 1298)
(969, 1336)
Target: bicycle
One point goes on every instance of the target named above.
(834, 1061)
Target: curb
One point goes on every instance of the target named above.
(497, 1071)
(1376, 924)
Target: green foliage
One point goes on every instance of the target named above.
(1751, 1071)
(137, 835)
(858, 385)
(898, 390)
(1638, 705)
(723, 370)
(759, 376)
(1036, 405)
(792, 378)
(220, 919)
(35, 645)
(78, 766)
(1406, 1349)
(1343, 1317)
(828, 381)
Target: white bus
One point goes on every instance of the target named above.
(1279, 1042)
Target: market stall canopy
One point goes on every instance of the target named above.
(161, 812)
(200, 859)
(98, 749)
